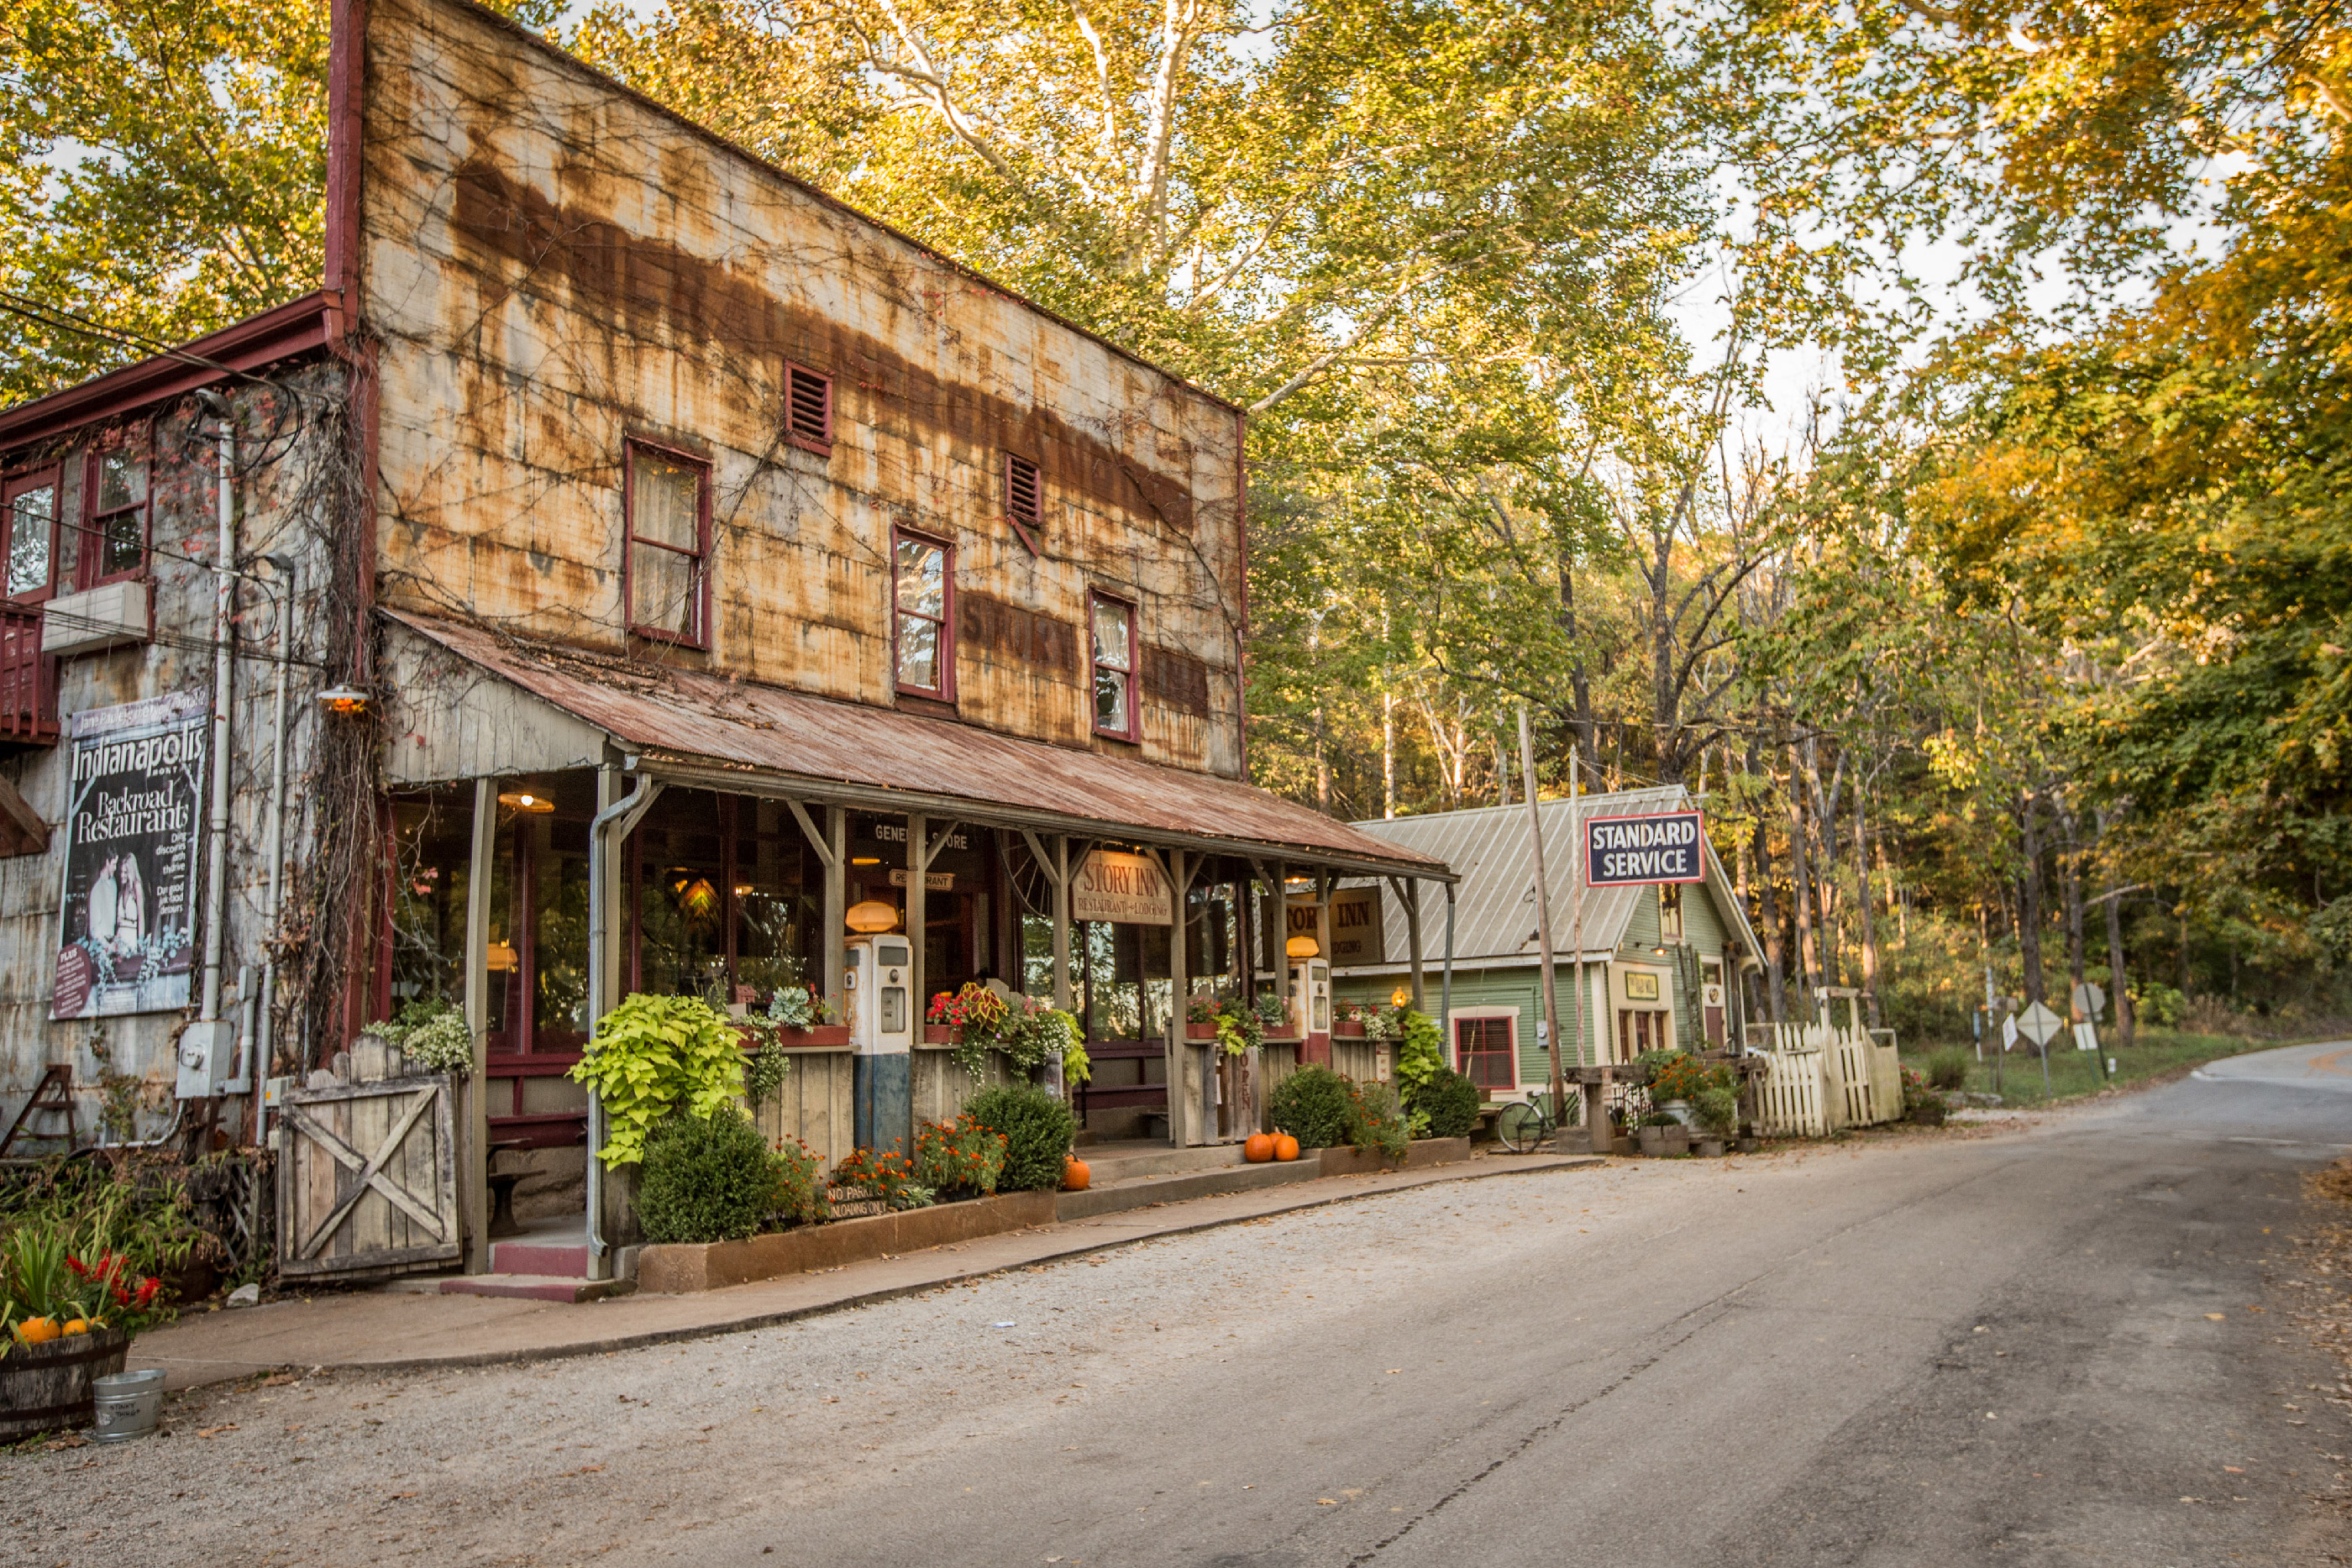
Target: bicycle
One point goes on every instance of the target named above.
(1523, 1124)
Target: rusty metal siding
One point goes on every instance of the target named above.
(553, 266)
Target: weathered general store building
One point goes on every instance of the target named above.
(685, 560)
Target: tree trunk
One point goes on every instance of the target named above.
(1388, 755)
(2071, 883)
(1322, 766)
(1776, 994)
(1861, 907)
(1502, 776)
(2029, 898)
(2118, 983)
(1798, 877)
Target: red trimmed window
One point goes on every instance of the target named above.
(668, 499)
(808, 409)
(1483, 1053)
(114, 539)
(31, 542)
(1113, 631)
(923, 623)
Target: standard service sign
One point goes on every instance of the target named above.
(1621, 851)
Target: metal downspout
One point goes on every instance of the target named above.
(625, 809)
(223, 607)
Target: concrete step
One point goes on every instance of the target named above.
(536, 1287)
(1110, 1197)
(565, 1258)
(1123, 1163)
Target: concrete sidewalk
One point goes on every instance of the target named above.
(388, 1331)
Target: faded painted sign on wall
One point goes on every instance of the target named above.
(127, 932)
(1112, 885)
(1356, 928)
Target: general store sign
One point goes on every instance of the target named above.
(1624, 851)
(1111, 884)
(127, 930)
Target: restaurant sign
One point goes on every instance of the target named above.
(1357, 935)
(1111, 884)
(127, 929)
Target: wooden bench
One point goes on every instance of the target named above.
(1139, 1096)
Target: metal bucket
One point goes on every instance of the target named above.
(127, 1403)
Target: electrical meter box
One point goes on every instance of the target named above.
(878, 983)
(208, 1055)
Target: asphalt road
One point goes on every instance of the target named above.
(2053, 1343)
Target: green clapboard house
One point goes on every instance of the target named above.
(1664, 965)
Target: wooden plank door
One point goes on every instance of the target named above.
(367, 1178)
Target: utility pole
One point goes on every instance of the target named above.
(1576, 905)
(1543, 913)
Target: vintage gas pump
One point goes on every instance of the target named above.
(1310, 1010)
(875, 982)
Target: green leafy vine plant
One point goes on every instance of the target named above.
(652, 1054)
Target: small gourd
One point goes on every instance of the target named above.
(1075, 1174)
(1258, 1148)
(36, 1331)
(1286, 1147)
(79, 1325)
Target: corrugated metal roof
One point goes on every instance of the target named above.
(699, 719)
(1494, 901)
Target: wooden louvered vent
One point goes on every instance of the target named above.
(1024, 501)
(809, 409)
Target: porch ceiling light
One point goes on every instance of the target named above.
(871, 916)
(345, 699)
(865, 860)
(523, 801)
(1400, 996)
(1302, 947)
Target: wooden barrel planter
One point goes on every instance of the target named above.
(45, 1386)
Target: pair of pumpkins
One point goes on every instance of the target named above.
(1261, 1147)
(41, 1331)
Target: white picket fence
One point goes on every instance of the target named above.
(1824, 1078)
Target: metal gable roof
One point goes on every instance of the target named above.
(1495, 900)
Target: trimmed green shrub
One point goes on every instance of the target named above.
(1451, 1103)
(1948, 1070)
(705, 1179)
(1718, 1109)
(1314, 1105)
(1037, 1129)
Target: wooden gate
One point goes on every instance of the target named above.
(367, 1178)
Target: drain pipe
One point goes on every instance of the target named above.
(223, 607)
(622, 815)
(257, 1069)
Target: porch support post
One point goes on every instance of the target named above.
(918, 991)
(1277, 936)
(1446, 983)
(473, 1165)
(832, 851)
(1056, 867)
(1180, 1050)
(1409, 893)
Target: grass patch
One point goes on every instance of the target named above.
(2075, 1073)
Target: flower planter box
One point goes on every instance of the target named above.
(1200, 1031)
(1289, 1040)
(941, 1034)
(1342, 1030)
(1421, 1152)
(815, 1035)
(44, 1387)
(673, 1270)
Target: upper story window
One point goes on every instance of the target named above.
(1114, 666)
(114, 541)
(923, 623)
(808, 409)
(667, 581)
(31, 522)
(1670, 911)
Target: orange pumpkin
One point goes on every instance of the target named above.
(1076, 1175)
(36, 1331)
(1286, 1147)
(79, 1325)
(1258, 1148)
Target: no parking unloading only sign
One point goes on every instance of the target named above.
(1621, 851)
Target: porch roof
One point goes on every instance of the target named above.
(705, 729)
